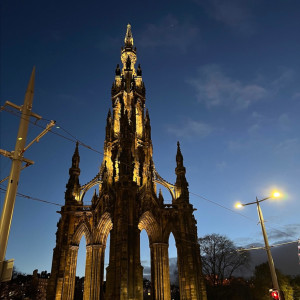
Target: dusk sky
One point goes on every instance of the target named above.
(222, 77)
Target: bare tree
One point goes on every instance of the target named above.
(220, 258)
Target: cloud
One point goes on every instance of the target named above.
(257, 118)
(190, 128)
(288, 147)
(256, 115)
(147, 272)
(284, 121)
(296, 96)
(286, 76)
(173, 270)
(215, 88)
(235, 14)
(254, 128)
(288, 232)
(235, 145)
(285, 256)
(168, 32)
(221, 165)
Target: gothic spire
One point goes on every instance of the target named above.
(73, 186)
(181, 185)
(128, 37)
(95, 197)
(76, 158)
(128, 53)
(139, 70)
(118, 70)
(179, 157)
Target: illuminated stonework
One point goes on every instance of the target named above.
(126, 204)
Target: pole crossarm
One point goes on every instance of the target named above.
(20, 107)
(10, 154)
(4, 179)
(37, 139)
(6, 153)
(255, 202)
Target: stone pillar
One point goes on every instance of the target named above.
(93, 282)
(70, 273)
(88, 273)
(160, 273)
(97, 272)
(124, 274)
(59, 286)
(191, 282)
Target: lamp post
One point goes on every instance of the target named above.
(267, 247)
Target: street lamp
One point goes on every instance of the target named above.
(275, 194)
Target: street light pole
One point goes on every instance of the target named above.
(267, 246)
(270, 259)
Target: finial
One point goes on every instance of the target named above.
(128, 37)
(179, 157)
(128, 63)
(73, 186)
(94, 198)
(108, 114)
(118, 71)
(139, 70)
(160, 194)
(76, 158)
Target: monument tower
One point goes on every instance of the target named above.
(126, 203)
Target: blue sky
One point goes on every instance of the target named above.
(221, 77)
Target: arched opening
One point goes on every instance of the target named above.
(80, 270)
(88, 196)
(147, 238)
(173, 267)
(101, 254)
(106, 261)
(146, 263)
(78, 261)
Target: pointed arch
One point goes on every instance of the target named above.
(82, 229)
(149, 223)
(103, 228)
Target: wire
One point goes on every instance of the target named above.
(222, 206)
(2, 190)
(74, 140)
